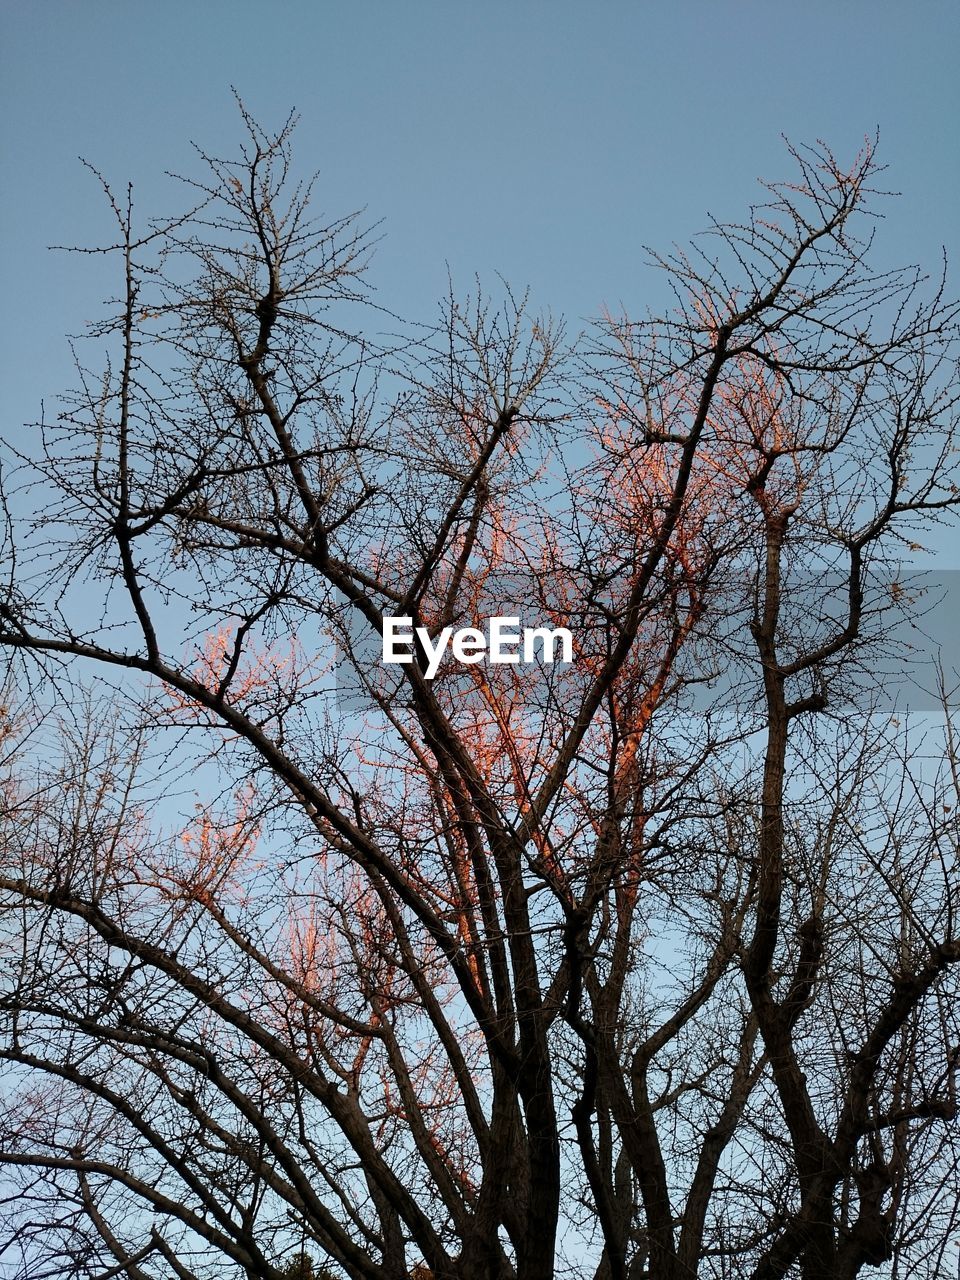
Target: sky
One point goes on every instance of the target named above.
(546, 142)
(549, 142)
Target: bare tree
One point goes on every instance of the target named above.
(642, 965)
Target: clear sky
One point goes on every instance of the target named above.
(547, 141)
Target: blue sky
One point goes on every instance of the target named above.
(547, 141)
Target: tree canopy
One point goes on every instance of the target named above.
(641, 965)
